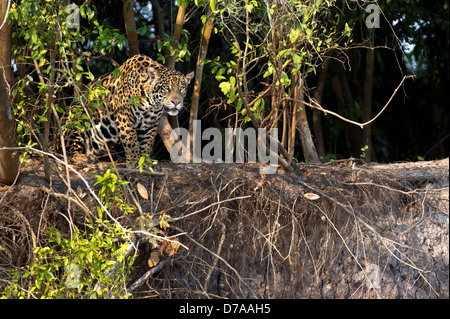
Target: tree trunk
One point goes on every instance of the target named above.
(170, 60)
(309, 149)
(204, 42)
(5, 52)
(317, 115)
(366, 111)
(9, 159)
(130, 27)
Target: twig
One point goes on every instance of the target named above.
(143, 232)
(209, 206)
(67, 197)
(414, 191)
(214, 264)
(134, 170)
(208, 250)
(149, 273)
(6, 16)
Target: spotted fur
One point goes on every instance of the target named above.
(138, 95)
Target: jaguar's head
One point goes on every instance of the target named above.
(171, 86)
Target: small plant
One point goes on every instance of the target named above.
(110, 192)
(363, 150)
(145, 160)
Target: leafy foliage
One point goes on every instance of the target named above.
(275, 41)
(91, 264)
(42, 36)
(73, 268)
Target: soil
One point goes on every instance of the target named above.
(341, 230)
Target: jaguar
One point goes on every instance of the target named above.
(129, 110)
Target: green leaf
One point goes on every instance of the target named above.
(348, 30)
(232, 81)
(225, 87)
(116, 73)
(294, 34)
(220, 77)
(159, 45)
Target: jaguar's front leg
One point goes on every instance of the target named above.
(148, 140)
(129, 139)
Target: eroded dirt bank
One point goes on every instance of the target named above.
(341, 230)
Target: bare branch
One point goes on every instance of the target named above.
(361, 125)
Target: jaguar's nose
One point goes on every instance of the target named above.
(176, 102)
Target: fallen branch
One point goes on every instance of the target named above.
(149, 273)
(414, 191)
(68, 198)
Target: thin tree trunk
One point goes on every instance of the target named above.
(204, 42)
(317, 115)
(130, 27)
(170, 60)
(292, 133)
(48, 114)
(309, 149)
(5, 54)
(78, 83)
(284, 137)
(9, 160)
(366, 111)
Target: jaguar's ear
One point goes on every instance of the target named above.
(153, 74)
(189, 77)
